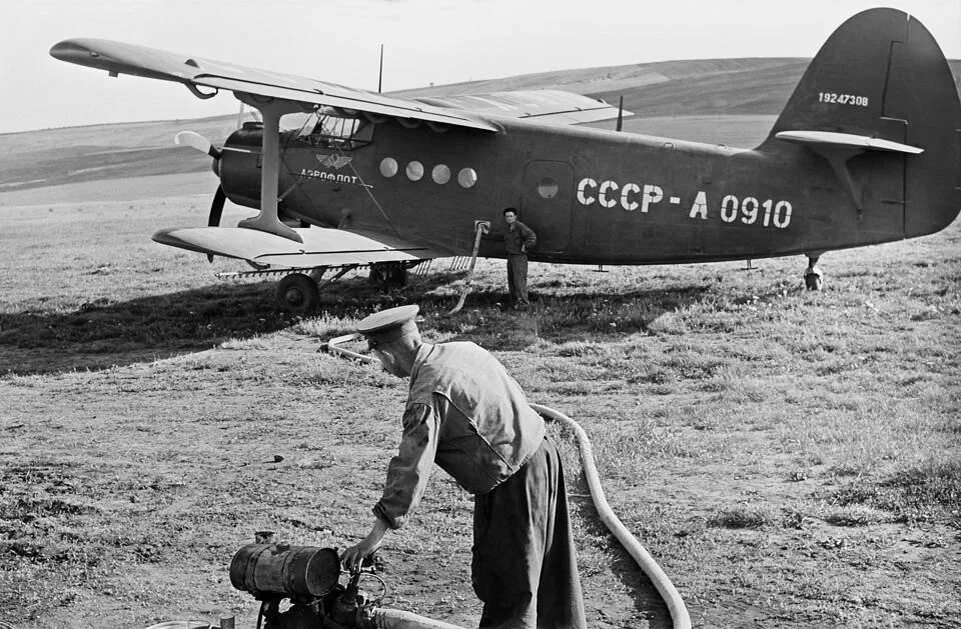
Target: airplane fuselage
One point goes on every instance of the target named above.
(592, 196)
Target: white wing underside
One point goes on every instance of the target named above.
(320, 246)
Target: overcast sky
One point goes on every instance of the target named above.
(426, 41)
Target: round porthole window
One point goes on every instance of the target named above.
(441, 174)
(415, 170)
(467, 177)
(388, 167)
(547, 188)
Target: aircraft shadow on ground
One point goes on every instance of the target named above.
(583, 317)
(104, 334)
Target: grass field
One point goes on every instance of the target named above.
(790, 458)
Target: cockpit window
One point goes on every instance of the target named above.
(329, 130)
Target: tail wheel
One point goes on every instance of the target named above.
(297, 293)
(814, 279)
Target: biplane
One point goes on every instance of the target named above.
(867, 150)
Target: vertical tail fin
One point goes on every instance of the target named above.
(881, 85)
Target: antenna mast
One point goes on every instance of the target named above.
(380, 74)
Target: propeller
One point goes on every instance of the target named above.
(217, 207)
(202, 144)
(197, 141)
(216, 211)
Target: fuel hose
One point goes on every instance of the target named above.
(385, 618)
(675, 604)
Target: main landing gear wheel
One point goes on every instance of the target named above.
(297, 293)
(813, 277)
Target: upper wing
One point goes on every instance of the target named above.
(555, 107)
(121, 58)
(320, 246)
(547, 106)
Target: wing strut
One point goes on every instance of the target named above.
(271, 111)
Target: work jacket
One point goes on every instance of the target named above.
(519, 239)
(465, 413)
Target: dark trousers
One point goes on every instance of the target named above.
(524, 567)
(517, 277)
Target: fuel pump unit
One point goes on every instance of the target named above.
(299, 587)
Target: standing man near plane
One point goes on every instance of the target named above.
(518, 239)
(465, 413)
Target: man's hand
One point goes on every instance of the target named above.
(353, 556)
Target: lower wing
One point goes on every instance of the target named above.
(320, 246)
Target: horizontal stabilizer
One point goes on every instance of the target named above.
(320, 246)
(846, 140)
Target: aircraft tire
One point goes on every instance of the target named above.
(297, 293)
(398, 276)
(814, 280)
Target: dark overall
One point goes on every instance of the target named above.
(517, 240)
